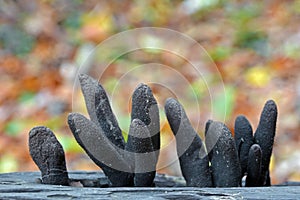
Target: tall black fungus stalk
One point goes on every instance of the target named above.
(219, 162)
(243, 136)
(194, 162)
(101, 137)
(254, 166)
(99, 109)
(144, 135)
(255, 152)
(264, 137)
(190, 149)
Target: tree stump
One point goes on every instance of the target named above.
(26, 185)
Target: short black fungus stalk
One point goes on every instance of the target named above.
(48, 155)
(243, 136)
(254, 166)
(141, 154)
(225, 165)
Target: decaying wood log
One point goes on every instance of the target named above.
(24, 185)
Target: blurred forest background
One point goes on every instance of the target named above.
(254, 44)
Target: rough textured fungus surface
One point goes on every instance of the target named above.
(99, 109)
(125, 164)
(100, 150)
(221, 162)
(243, 136)
(142, 156)
(254, 166)
(264, 136)
(145, 108)
(226, 170)
(48, 155)
(191, 152)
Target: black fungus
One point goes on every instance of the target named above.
(264, 137)
(99, 109)
(92, 139)
(254, 166)
(145, 108)
(243, 136)
(48, 155)
(190, 149)
(225, 166)
(141, 154)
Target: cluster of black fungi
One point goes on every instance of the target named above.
(220, 161)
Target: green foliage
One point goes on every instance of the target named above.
(292, 49)
(55, 122)
(256, 40)
(202, 9)
(8, 163)
(15, 127)
(244, 17)
(296, 6)
(73, 20)
(241, 16)
(220, 53)
(26, 97)
(124, 123)
(125, 135)
(110, 84)
(198, 89)
(69, 143)
(223, 106)
(15, 40)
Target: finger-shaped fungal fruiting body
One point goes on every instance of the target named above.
(92, 139)
(226, 170)
(141, 154)
(243, 136)
(264, 137)
(193, 159)
(99, 109)
(48, 155)
(145, 108)
(254, 166)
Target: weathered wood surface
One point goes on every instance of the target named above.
(25, 185)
